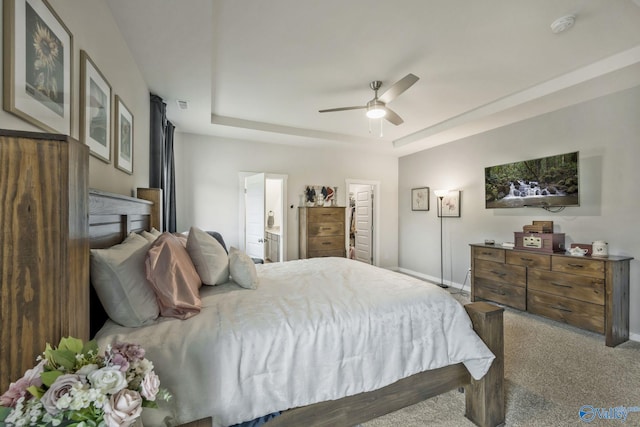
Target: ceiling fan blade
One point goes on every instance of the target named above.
(392, 117)
(330, 110)
(398, 87)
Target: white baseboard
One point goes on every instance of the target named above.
(632, 336)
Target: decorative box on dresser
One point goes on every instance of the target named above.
(588, 292)
(321, 232)
(44, 247)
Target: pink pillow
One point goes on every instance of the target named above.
(173, 278)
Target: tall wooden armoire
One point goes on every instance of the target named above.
(44, 246)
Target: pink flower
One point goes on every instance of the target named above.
(60, 388)
(122, 408)
(150, 386)
(19, 388)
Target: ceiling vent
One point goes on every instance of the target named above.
(563, 24)
(183, 105)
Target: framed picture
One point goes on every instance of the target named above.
(450, 204)
(420, 199)
(38, 62)
(123, 136)
(95, 109)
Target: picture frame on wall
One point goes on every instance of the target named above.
(420, 199)
(449, 205)
(95, 109)
(123, 135)
(38, 64)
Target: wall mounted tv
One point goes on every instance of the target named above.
(545, 182)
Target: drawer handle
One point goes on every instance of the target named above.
(499, 273)
(575, 265)
(326, 243)
(526, 259)
(487, 253)
(557, 307)
(503, 293)
(326, 228)
(561, 285)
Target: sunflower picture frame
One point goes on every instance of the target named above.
(123, 134)
(38, 63)
(95, 109)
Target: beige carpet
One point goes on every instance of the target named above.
(551, 371)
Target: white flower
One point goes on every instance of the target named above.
(123, 408)
(109, 380)
(87, 369)
(150, 386)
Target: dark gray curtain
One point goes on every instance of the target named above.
(161, 164)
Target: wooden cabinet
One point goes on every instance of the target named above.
(587, 292)
(321, 232)
(44, 247)
(272, 248)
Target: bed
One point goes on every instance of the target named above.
(328, 391)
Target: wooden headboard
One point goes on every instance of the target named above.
(111, 218)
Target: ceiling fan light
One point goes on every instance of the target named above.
(376, 113)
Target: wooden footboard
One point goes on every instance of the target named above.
(484, 398)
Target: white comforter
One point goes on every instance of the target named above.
(314, 330)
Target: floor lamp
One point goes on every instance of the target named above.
(440, 195)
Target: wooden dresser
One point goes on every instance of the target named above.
(44, 247)
(588, 292)
(321, 232)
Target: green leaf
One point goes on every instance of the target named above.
(63, 358)
(35, 391)
(49, 377)
(91, 346)
(4, 413)
(149, 404)
(72, 344)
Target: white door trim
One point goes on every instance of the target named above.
(376, 213)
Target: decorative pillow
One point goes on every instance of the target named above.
(118, 276)
(173, 278)
(151, 235)
(242, 269)
(208, 256)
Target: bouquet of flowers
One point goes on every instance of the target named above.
(74, 385)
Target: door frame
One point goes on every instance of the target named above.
(241, 210)
(376, 214)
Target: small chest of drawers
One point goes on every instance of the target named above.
(587, 292)
(322, 232)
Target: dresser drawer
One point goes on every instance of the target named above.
(326, 215)
(529, 260)
(323, 229)
(588, 289)
(489, 254)
(502, 293)
(577, 313)
(330, 243)
(502, 273)
(581, 266)
(318, 254)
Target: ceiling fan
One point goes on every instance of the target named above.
(377, 107)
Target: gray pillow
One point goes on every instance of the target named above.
(208, 256)
(118, 276)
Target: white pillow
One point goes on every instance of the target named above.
(151, 235)
(242, 269)
(208, 256)
(118, 276)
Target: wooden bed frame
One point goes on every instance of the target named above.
(112, 217)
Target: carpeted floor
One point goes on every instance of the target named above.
(551, 371)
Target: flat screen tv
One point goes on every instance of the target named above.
(546, 182)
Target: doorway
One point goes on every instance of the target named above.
(362, 220)
(263, 216)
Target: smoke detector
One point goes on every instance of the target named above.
(563, 23)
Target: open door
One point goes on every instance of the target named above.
(363, 222)
(254, 215)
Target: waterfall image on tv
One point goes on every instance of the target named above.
(545, 182)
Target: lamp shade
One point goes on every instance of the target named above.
(440, 193)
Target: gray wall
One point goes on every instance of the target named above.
(606, 132)
(95, 31)
(208, 184)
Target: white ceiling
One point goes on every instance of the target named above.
(260, 70)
